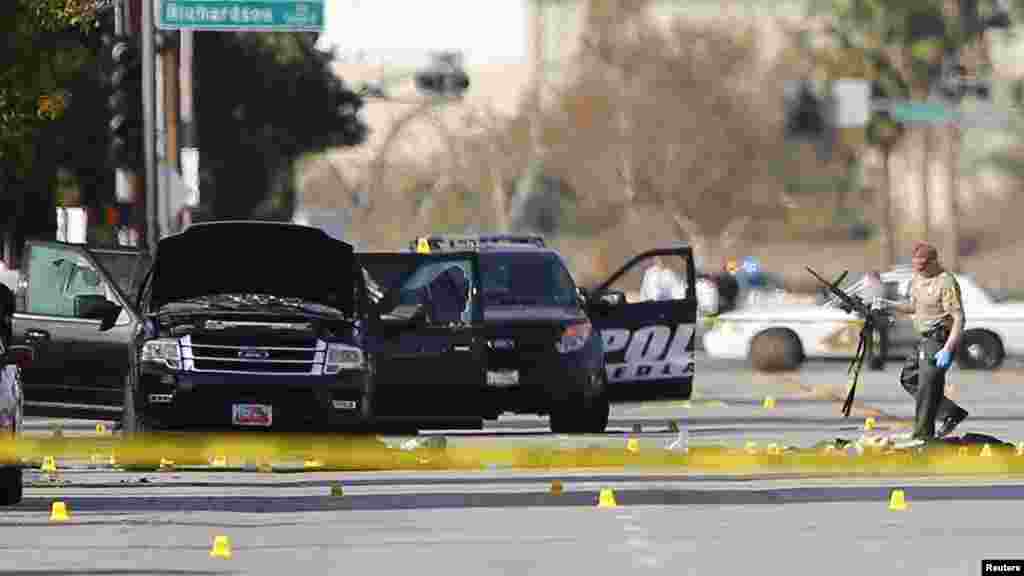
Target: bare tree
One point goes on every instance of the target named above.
(675, 130)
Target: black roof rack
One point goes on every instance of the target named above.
(470, 242)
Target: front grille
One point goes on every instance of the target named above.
(275, 355)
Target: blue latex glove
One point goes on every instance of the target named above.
(943, 359)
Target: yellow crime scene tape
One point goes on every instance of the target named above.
(341, 453)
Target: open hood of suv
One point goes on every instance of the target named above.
(283, 260)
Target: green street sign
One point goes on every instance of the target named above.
(922, 112)
(241, 15)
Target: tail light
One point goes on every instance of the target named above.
(21, 356)
(574, 337)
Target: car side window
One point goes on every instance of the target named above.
(57, 277)
(655, 278)
(446, 288)
(563, 281)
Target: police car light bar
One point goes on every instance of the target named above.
(535, 239)
(456, 242)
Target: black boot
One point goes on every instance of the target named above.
(950, 422)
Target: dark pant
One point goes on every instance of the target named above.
(879, 351)
(926, 382)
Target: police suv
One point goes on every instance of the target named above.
(551, 348)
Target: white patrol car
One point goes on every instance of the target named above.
(777, 335)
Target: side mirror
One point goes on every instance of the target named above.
(404, 315)
(21, 356)
(581, 295)
(90, 306)
(107, 314)
(612, 298)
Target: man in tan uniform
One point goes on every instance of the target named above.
(937, 308)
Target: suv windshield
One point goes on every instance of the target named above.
(248, 302)
(126, 268)
(526, 278)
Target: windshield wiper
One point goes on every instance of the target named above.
(310, 308)
(202, 301)
(513, 300)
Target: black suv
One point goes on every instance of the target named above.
(555, 349)
(247, 324)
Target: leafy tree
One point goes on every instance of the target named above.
(263, 101)
(44, 50)
(268, 98)
(900, 46)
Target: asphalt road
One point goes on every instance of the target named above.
(508, 522)
(690, 526)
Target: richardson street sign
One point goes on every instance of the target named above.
(241, 15)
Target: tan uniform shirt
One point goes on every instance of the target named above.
(936, 300)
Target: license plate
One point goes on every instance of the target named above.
(503, 378)
(344, 404)
(252, 415)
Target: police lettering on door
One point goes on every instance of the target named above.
(648, 353)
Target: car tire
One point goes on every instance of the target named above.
(589, 419)
(597, 416)
(366, 411)
(980, 350)
(776, 350)
(132, 421)
(12, 486)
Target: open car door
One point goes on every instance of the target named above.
(64, 294)
(647, 315)
(425, 335)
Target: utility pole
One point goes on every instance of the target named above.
(126, 182)
(189, 159)
(150, 226)
(169, 66)
(536, 138)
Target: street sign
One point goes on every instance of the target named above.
(987, 115)
(912, 112)
(853, 100)
(971, 114)
(241, 15)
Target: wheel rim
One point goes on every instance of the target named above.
(979, 355)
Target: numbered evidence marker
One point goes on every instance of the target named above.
(651, 352)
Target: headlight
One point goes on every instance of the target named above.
(6, 421)
(574, 337)
(163, 351)
(343, 357)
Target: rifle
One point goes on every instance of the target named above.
(855, 304)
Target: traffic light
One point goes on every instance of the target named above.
(452, 83)
(430, 81)
(975, 21)
(125, 103)
(954, 84)
(1000, 18)
(456, 82)
(445, 77)
(805, 113)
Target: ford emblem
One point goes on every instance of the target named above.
(253, 354)
(502, 344)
